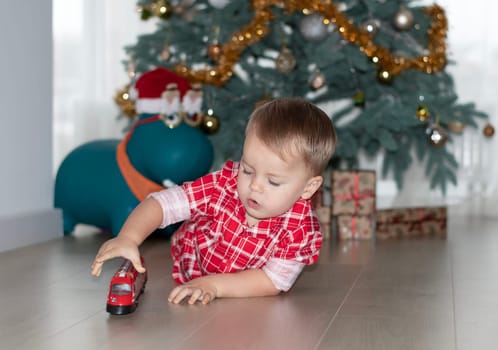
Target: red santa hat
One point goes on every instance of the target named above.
(150, 86)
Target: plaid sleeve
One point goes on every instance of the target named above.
(303, 242)
(300, 246)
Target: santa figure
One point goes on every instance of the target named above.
(170, 100)
(192, 104)
(160, 91)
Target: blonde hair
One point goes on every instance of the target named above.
(297, 123)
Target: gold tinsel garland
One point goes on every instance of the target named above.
(388, 64)
(433, 61)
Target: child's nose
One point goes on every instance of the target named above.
(256, 185)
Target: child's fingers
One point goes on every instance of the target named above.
(111, 252)
(173, 294)
(96, 268)
(182, 294)
(196, 295)
(105, 253)
(178, 294)
(137, 264)
(207, 298)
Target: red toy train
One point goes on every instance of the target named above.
(125, 288)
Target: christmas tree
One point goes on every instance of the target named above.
(376, 66)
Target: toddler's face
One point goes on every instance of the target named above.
(268, 185)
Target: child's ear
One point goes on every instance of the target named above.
(311, 187)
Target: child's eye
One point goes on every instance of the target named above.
(246, 172)
(273, 183)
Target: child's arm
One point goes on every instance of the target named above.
(248, 283)
(144, 220)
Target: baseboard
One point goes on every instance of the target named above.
(27, 229)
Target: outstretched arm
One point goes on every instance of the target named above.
(248, 283)
(144, 220)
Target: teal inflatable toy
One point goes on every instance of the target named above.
(99, 183)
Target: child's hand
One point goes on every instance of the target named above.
(117, 247)
(200, 289)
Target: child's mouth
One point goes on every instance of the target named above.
(251, 203)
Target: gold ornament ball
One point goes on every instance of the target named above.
(214, 51)
(128, 109)
(456, 126)
(124, 102)
(423, 113)
(163, 9)
(489, 130)
(210, 124)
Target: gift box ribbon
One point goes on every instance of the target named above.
(356, 196)
(353, 227)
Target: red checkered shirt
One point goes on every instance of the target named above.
(217, 239)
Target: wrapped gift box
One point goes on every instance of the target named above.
(355, 227)
(416, 222)
(353, 192)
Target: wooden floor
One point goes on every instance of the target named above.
(402, 295)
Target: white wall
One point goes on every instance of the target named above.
(26, 181)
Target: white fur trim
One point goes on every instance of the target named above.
(149, 105)
(157, 105)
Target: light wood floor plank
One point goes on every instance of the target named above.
(407, 294)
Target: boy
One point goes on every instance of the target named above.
(249, 228)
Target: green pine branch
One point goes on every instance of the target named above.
(386, 125)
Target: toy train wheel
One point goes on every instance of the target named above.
(121, 309)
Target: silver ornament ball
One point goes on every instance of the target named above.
(219, 4)
(403, 19)
(312, 27)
